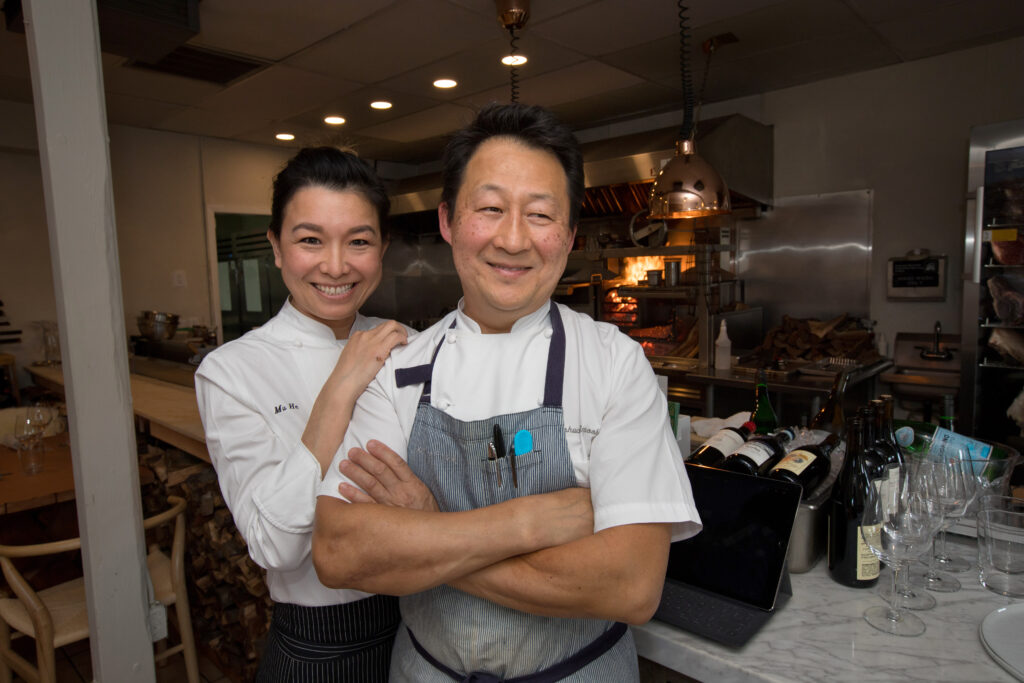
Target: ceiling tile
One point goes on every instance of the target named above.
(278, 92)
(611, 106)
(559, 86)
(397, 39)
(121, 79)
(275, 30)
(438, 120)
(539, 11)
(222, 124)
(878, 11)
(953, 27)
(611, 25)
(480, 68)
(355, 108)
(789, 65)
(137, 111)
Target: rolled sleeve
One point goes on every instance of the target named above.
(636, 471)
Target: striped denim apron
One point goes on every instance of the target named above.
(452, 635)
(332, 643)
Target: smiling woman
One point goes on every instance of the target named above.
(276, 403)
(329, 251)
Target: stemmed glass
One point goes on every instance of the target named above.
(42, 415)
(955, 488)
(900, 519)
(27, 430)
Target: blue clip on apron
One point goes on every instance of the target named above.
(452, 635)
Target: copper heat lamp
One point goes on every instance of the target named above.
(688, 186)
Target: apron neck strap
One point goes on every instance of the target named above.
(421, 374)
(556, 360)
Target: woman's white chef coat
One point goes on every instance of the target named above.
(616, 418)
(254, 395)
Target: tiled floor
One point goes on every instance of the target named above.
(74, 665)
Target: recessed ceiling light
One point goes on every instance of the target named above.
(513, 60)
(381, 104)
(284, 136)
(445, 83)
(334, 120)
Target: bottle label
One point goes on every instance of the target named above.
(796, 461)
(947, 444)
(868, 566)
(888, 489)
(726, 441)
(756, 451)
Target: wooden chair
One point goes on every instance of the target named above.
(57, 616)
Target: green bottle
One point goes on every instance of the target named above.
(763, 415)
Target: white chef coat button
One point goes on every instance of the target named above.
(548, 333)
(445, 405)
(298, 345)
(540, 401)
(450, 337)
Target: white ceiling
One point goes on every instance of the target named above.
(591, 61)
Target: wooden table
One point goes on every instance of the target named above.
(54, 484)
(169, 410)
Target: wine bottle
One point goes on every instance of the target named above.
(850, 560)
(763, 415)
(831, 417)
(807, 465)
(886, 435)
(760, 453)
(724, 442)
(888, 452)
(874, 463)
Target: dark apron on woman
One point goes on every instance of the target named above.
(331, 644)
(452, 635)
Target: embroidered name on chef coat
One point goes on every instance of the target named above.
(282, 407)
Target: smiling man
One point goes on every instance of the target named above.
(505, 409)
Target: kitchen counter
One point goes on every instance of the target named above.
(169, 410)
(820, 635)
(703, 382)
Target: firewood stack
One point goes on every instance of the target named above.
(810, 339)
(227, 591)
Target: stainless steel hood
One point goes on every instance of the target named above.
(619, 171)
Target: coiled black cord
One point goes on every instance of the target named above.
(513, 70)
(684, 71)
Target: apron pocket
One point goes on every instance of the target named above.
(497, 474)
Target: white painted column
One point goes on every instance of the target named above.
(67, 84)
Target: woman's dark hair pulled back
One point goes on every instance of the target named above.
(333, 169)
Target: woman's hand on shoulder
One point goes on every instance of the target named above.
(365, 352)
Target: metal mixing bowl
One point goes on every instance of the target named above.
(156, 325)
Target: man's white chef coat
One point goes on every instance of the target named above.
(616, 418)
(254, 395)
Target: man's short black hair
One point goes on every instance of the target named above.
(531, 126)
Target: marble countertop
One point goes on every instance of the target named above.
(820, 635)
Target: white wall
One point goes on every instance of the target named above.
(902, 132)
(163, 185)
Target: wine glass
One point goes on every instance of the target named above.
(955, 488)
(991, 476)
(42, 415)
(900, 519)
(27, 430)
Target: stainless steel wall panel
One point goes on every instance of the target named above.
(810, 257)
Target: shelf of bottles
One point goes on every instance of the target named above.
(999, 352)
